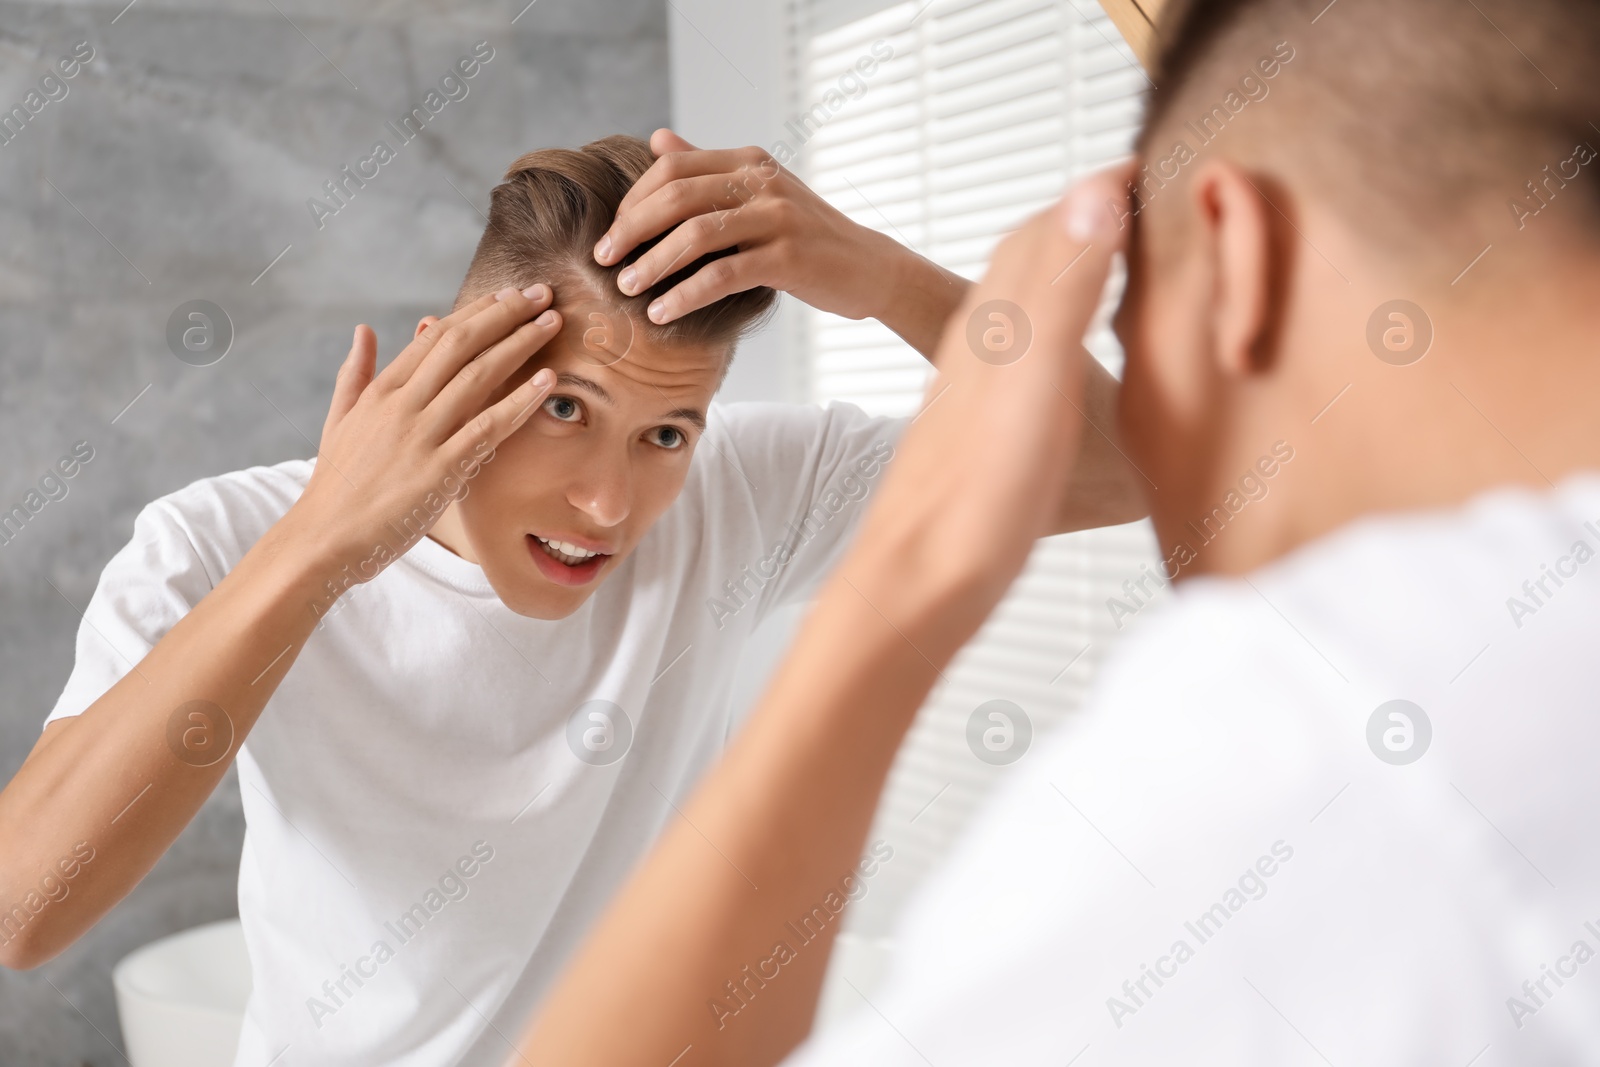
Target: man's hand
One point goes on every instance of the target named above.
(786, 236)
(982, 472)
(420, 427)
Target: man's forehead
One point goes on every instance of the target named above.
(679, 379)
(592, 346)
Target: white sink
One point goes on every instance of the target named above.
(181, 999)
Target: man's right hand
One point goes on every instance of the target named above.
(421, 427)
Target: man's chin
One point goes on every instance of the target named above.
(550, 608)
(535, 597)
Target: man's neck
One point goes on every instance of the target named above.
(1504, 397)
(449, 532)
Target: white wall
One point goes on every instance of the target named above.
(728, 71)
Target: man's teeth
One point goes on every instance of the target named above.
(565, 551)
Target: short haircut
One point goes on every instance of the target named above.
(544, 220)
(1400, 113)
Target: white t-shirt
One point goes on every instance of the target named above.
(424, 844)
(1217, 831)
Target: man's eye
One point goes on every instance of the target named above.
(562, 407)
(669, 437)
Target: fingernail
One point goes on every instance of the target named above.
(547, 318)
(507, 293)
(533, 291)
(658, 311)
(626, 279)
(602, 250)
(544, 379)
(1088, 214)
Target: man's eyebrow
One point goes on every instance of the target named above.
(693, 416)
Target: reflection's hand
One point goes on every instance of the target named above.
(420, 428)
(787, 237)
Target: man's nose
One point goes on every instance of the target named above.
(603, 488)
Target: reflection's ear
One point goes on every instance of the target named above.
(1235, 227)
(423, 323)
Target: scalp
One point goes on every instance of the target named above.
(1405, 115)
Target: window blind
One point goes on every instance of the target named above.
(982, 114)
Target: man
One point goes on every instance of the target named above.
(470, 657)
(1336, 803)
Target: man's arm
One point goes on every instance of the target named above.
(117, 783)
(789, 238)
(775, 826)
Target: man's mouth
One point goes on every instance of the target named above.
(566, 551)
(565, 563)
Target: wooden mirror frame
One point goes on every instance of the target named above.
(1136, 19)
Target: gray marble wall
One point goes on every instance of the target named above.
(176, 165)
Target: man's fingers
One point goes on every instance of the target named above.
(1054, 268)
(679, 201)
(1013, 355)
(688, 163)
(473, 384)
(717, 279)
(674, 166)
(665, 140)
(1088, 229)
(701, 235)
(461, 343)
(400, 369)
(495, 423)
(355, 373)
(1003, 426)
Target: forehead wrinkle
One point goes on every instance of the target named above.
(587, 385)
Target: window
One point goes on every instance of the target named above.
(981, 114)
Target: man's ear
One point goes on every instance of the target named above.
(1236, 229)
(423, 323)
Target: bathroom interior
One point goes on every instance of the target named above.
(190, 158)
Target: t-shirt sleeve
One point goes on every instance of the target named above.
(151, 583)
(808, 472)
